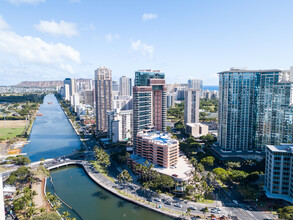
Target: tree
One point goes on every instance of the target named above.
(21, 174)
(208, 138)
(285, 213)
(199, 167)
(48, 216)
(204, 211)
(124, 177)
(253, 176)
(102, 158)
(208, 161)
(221, 173)
(19, 160)
(232, 165)
(188, 211)
(193, 161)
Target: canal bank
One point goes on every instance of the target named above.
(100, 204)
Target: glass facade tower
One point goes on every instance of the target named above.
(149, 101)
(254, 109)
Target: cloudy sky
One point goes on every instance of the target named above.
(54, 39)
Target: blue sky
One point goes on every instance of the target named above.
(54, 39)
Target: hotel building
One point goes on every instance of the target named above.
(158, 148)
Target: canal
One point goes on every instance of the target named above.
(91, 201)
(52, 136)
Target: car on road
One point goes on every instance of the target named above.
(192, 207)
(235, 202)
(168, 202)
(157, 200)
(215, 211)
(178, 205)
(67, 159)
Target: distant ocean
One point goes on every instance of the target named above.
(211, 88)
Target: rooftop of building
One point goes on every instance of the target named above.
(181, 172)
(149, 70)
(245, 70)
(283, 148)
(162, 138)
(195, 124)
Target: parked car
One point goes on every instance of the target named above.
(192, 207)
(235, 202)
(178, 205)
(157, 200)
(168, 202)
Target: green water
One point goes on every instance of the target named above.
(91, 201)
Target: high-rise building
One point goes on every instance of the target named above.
(191, 105)
(66, 92)
(149, 101)
(120, 125)
(103, 89)
(122, 102)
(115, 88)
(279, 172)
(72, 85)
(171, 97)
(125, 86)
(255, 109)
(195, 84)
(89, 97)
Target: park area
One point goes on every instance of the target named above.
(13, 128)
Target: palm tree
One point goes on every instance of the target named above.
(204, 211)
(65, 214)
(188, 211)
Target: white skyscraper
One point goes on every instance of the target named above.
(125, 86)
(67, 92)
(191, 105)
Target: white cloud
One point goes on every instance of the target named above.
(33, 50)
(18, 2)
(62, 28)
(146, 16)
(3, 24)
(111, 37)
(145, 49)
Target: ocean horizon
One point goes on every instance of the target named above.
(211, 88)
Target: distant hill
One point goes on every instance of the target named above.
(56, 83)
(40, 83)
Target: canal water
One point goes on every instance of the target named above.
(52, 136)
(91, 201)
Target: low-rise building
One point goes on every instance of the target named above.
(158, 147)
(197, 129)
(279, 172)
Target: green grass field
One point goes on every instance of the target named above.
(13, 128)
(10, 132)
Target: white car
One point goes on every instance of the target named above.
(178, 205)
(235, 202)
(192, 207)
